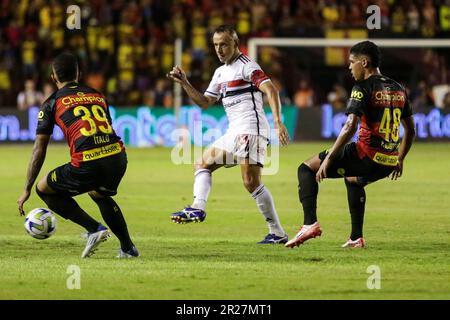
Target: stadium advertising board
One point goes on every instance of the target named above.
(325, 123)
(142, 126)
(145, 126)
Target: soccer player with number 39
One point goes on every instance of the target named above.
(98, 158)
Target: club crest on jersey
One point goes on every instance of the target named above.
(223, 89)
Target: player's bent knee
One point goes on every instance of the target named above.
(201, 166)
(251, 184)
(300, 169)
(313, 163)
(351, 180)
(95, 195)
(43, 187)
(354, 182)
(304, 169)
(45, 196)
(40, 193)
(250, 187)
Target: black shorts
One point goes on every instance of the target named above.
(348, 164)
(103, 176)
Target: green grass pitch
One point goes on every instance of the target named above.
(406, 229)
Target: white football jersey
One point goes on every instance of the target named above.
(237, 84)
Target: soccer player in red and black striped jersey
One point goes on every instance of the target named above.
(379, 104)
(98, 158)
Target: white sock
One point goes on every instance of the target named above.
(202, 187)
(265, 204)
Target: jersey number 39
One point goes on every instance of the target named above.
(95, 117)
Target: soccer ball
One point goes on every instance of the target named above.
(40, 223)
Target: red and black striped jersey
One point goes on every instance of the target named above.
(381, 103)
(83, 115)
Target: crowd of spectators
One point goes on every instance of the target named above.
(126, 47)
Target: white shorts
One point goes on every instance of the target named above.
(241, 147)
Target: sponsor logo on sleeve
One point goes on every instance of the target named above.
(356, 95)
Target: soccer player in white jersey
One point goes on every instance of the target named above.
(240, 83)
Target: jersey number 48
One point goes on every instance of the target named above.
(390, 125)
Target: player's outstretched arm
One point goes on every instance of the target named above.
(179, 76)
(408, 138)
(34, 167)
(273, 97)
(347, 132)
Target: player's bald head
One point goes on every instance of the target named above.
(230, 31)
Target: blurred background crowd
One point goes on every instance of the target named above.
(126, 47)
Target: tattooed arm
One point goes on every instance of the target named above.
(34, 167)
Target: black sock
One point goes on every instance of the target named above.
(69, 209)
(356, 203)
(307, 193)
(113, 217)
